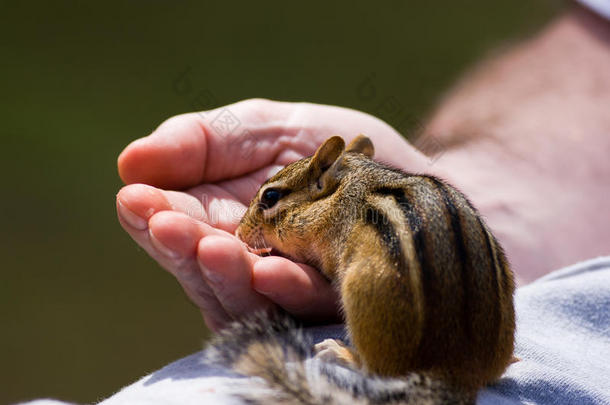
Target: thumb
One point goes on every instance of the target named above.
(207, 146)
(173, 156)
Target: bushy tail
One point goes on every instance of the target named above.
(270, 347)
(274, 349)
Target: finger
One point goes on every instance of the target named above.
(205, 147)
(174, 237)
(134, 215)
(209, 203)
(170, 239)
(173, 156)
(227, 268)
(138, 202)
(298, 288)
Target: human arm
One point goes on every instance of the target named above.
(527, 136)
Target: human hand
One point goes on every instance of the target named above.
(190, 232)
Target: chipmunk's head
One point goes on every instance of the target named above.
(293, 208)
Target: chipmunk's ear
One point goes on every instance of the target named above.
(361, 144)
(327, 154)
(324, 166)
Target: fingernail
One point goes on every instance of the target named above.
(210, 276)
(261, 287)
(264, 291)
(164, 250)
(132, 219)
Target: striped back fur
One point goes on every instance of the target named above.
(424, 285)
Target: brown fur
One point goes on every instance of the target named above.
(425, 287)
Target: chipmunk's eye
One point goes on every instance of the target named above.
(270, 197)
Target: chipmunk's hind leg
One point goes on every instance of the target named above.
(336, 351)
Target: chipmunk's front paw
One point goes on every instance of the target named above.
(336, 351)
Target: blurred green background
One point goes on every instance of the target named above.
(84, 311)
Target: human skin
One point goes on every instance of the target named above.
(526, 136)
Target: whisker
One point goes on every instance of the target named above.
(257, 249)
(266, 250)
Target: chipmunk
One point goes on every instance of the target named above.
(426, 290)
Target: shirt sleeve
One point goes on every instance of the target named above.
(601, 7)
(563, 340)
